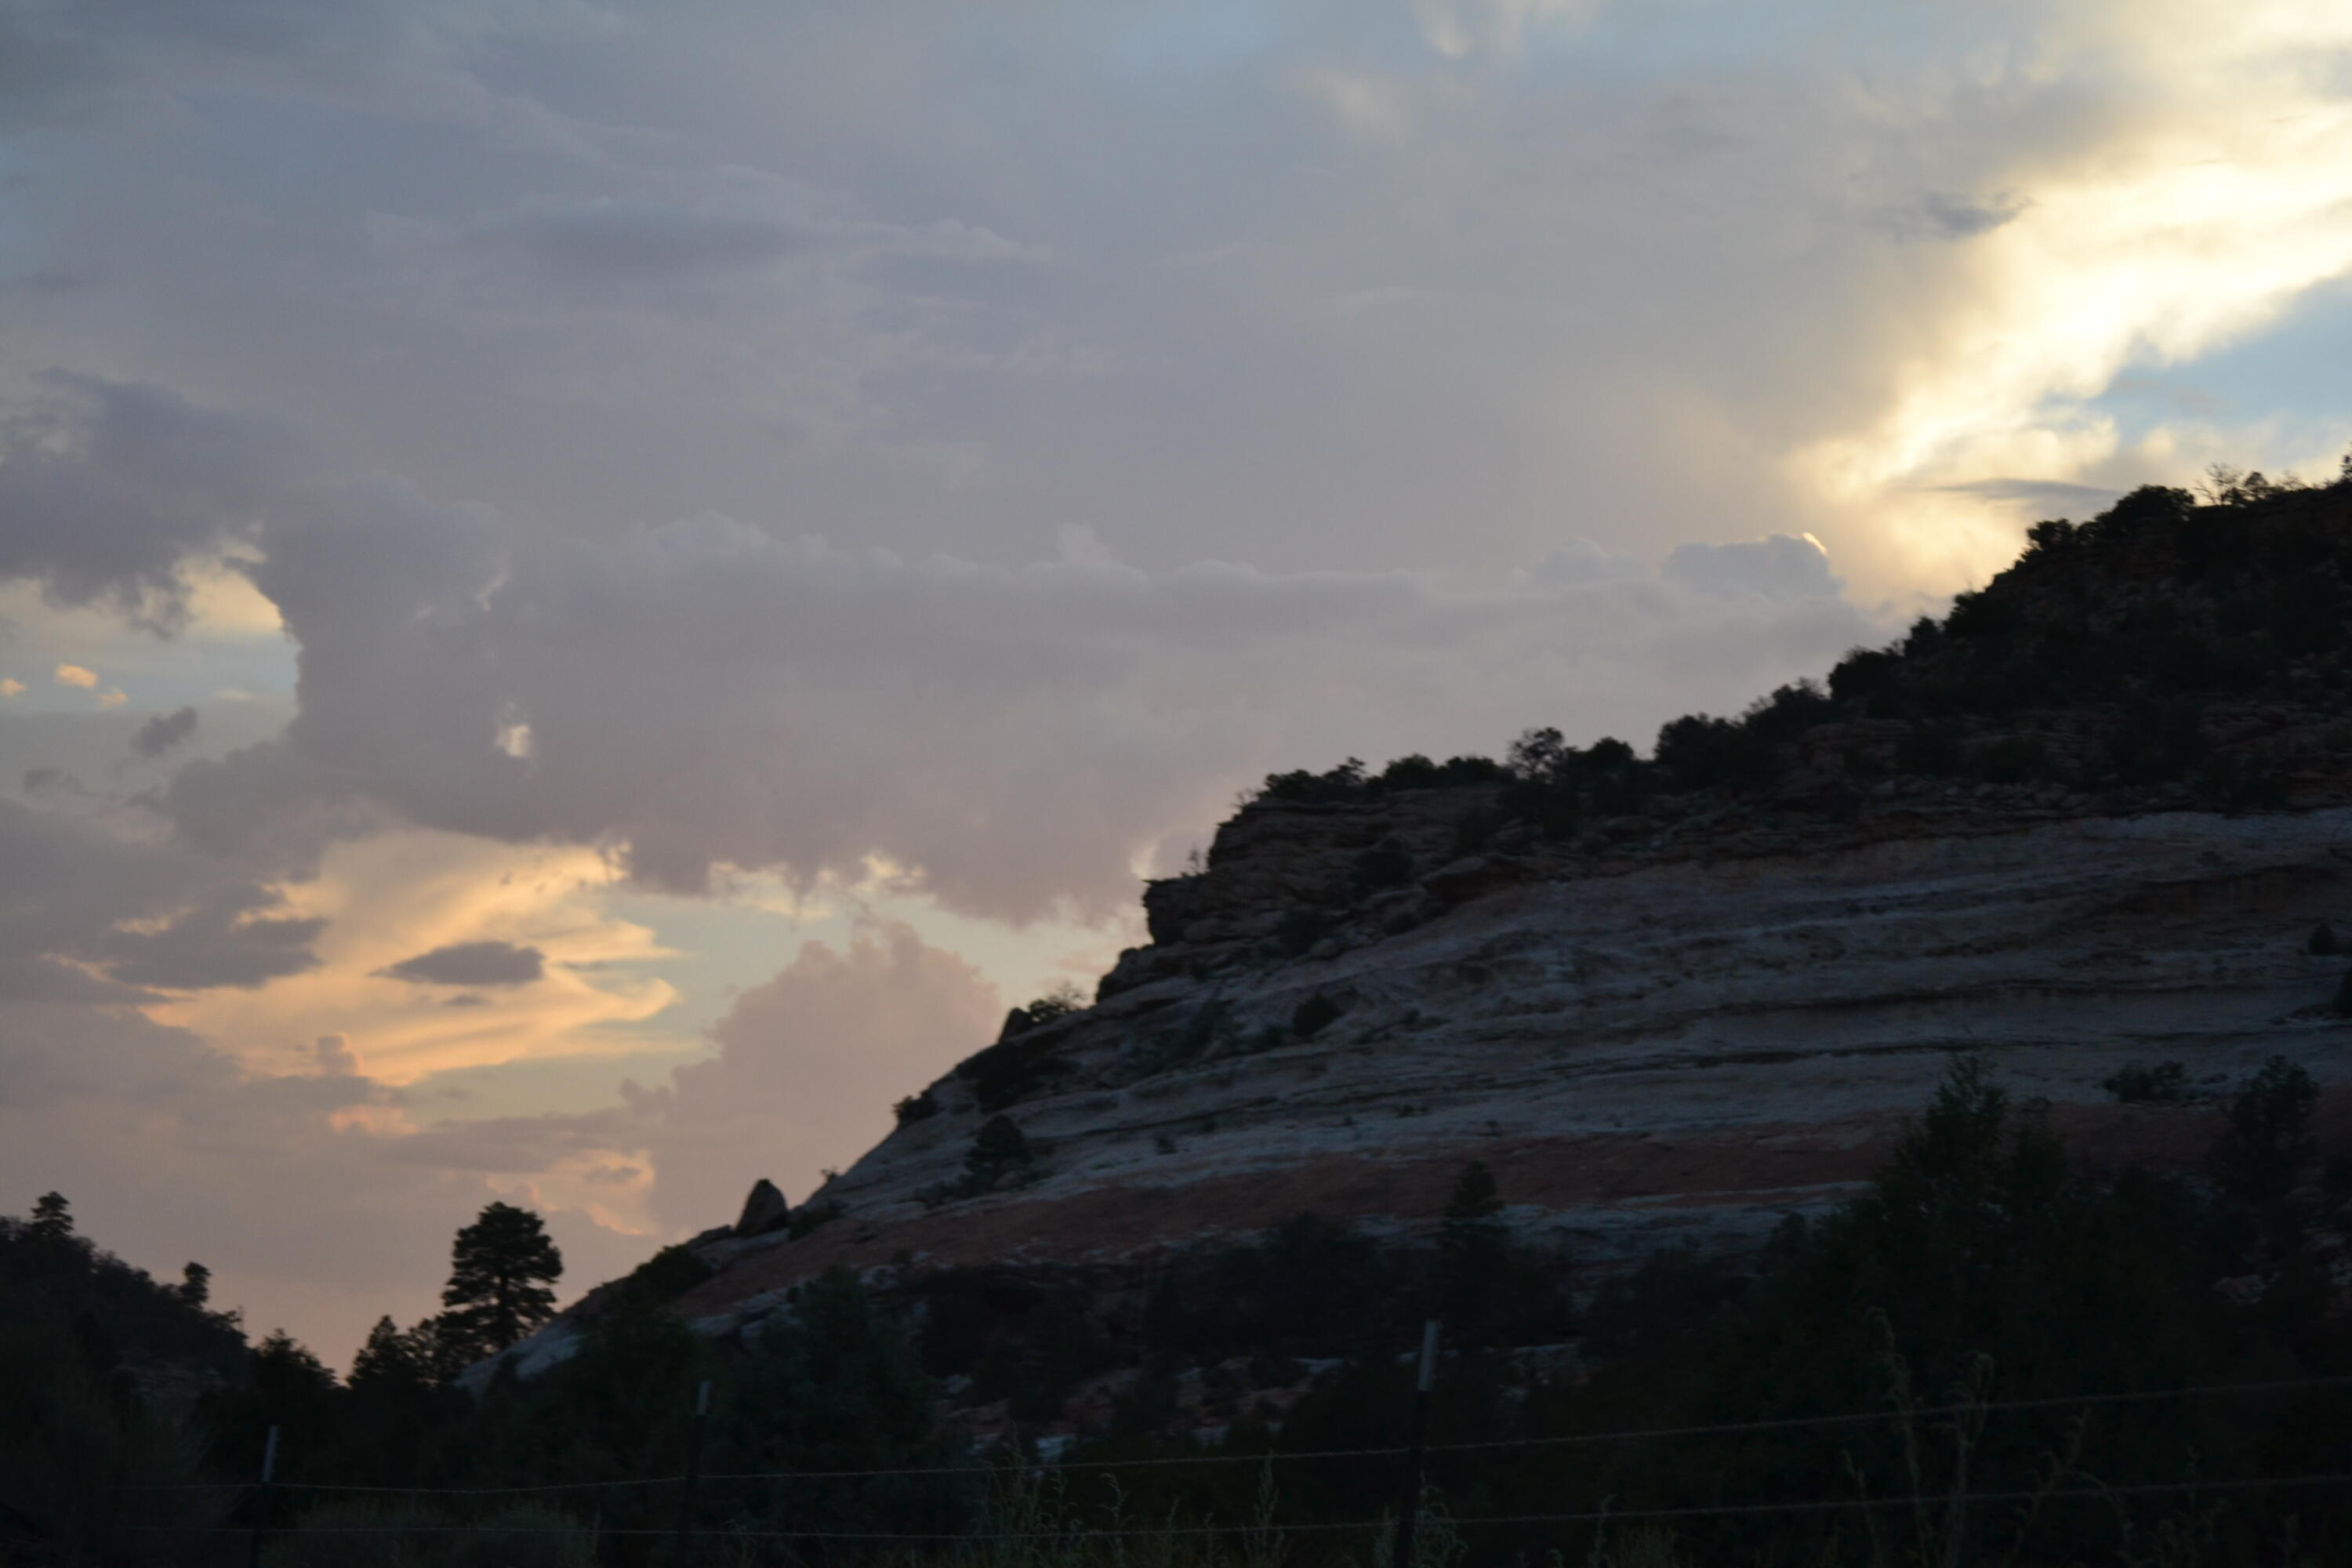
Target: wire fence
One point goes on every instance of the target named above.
(1162, 1461)
(259, 1498)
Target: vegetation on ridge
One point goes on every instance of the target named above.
(2096, 662)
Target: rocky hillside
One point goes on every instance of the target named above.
(2098, 818)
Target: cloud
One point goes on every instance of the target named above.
(1579, 561)
(645, 241)
(74, 675)
(1777, 569)
(790, 396)
(2050, 497)
(223, 939)
(163, 732)
(336, 1057)
(290, 1188)
(808, 1066)
(109, 489)
(1938, 214)
(93, 908)
(704, 694)
(471, 963)
(12, 687)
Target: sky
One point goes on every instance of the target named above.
(590, 591)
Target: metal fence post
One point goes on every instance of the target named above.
(693, 1473)
(1409, 1513)
(262, 1503)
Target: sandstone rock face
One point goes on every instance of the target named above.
(1668, 1030)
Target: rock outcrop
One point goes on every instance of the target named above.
(1686, 1048)
(764, 1209)
(1682, 999)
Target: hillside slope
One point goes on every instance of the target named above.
(2093, 818)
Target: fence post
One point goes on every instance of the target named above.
(693, 1474)
(1409, 1513)
(262, 1503)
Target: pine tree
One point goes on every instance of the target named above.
(195, 1284)
(52, 1220)
(499, 1268)
(388, 1359)
(1000, 1149)
(1473, 1246)
(2266, 1140)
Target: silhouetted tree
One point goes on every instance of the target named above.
(1474, 1248)
(389, 1358)
(195, 1284)
(499, 1270)
(2267, 1139)
(1000, 1149)
(52, 1220)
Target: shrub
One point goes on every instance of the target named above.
(84, 1468)
(1344, 782)
(1058, 1003)
(1933, 749)
(1300, 928)
(666, 1276)
(2013, 759)
(413, 1535)
(1385, 865)
(1006, 1072)
(999, 1151)
(915, 1108)
(1312, 1016)
(1696, 752)
(2166, 1083)
(2267, 1140)
(812, 1217)
(833, 1389)
(2322, 941)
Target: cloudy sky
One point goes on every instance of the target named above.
(588, 592)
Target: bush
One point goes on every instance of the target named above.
(667, 1275)
(833, 1389)
(1385, 865)
(1000, 1152)
(2166, 1083)
(412, 1535)
(1313, 1015)
(1698, 752)
(1300, 928)
(84, 1468)
(1344, 782)
(915, 1108)
(811, 1217)
(2013, 759)
(2267, 1140)
(1008, 1070)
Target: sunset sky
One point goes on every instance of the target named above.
(589, 592)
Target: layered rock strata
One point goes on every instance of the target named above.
(1689, 1048)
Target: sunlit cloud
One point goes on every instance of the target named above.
(393, 899)
(74, 675)
(2216, 191)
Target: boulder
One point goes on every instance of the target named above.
(764, 1210)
